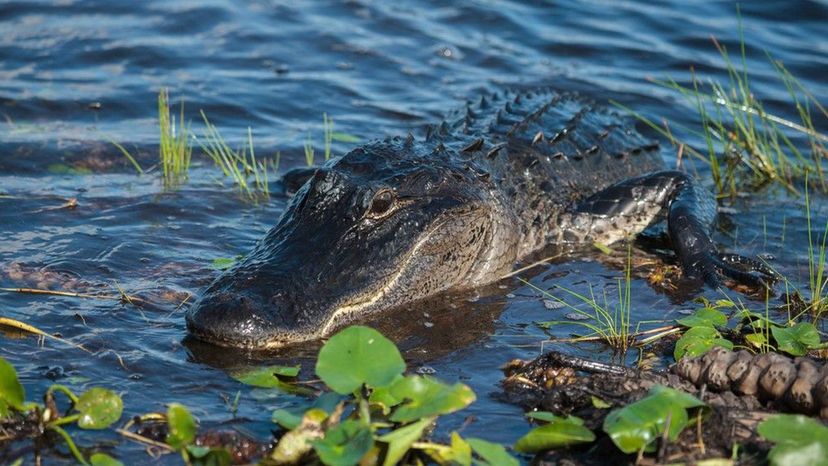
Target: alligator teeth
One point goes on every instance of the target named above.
(474, 146)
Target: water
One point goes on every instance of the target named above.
(74, 74)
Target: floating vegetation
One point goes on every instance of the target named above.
(175, 148)
(745, 144)
(239, 165)
(371, 413)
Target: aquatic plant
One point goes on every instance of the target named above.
(97, 408)
(611, 323)
(239, 165)
(175, 147)
(373, 410)
(744, 143)
(798, 440)
(328, 136)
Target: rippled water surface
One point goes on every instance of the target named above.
(74, 75)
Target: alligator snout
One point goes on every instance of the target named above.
(242, 319)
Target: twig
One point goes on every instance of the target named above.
(22, 326)
(144, 440)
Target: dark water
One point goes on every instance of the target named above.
(73, 74)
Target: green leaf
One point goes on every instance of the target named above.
(556, 434)
(344, 137)
(599, 403)
(345, 444)
(205, 456)
(102, 459)
(705, 317)
(286, 418)
(267, 377)
(493, 454)
(796, 340)
(697, 341)
(382, 396)
(399, 441)
(460, 452)
(12, 393)
(358, 355)
(99, 408)
(425, 396)
(291, 418)
(799, 440)
(222, 263)
(635, 426)
(757, 340)
(182, 426)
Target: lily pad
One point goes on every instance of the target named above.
(796, 340)
(182, 426)
(267, 377)
(558, 433)
(493, 454)
(12, 393)
(358, 355)
(99, 408)
(799, 440)
(344, 444)
(425, 396)
(635, 426)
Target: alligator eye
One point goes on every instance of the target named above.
(381, 205)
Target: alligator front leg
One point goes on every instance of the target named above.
(626, 208)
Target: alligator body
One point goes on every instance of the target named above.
(401, 219)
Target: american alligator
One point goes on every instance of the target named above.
(400, 219)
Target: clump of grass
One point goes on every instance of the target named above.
(175, 148)
(817, 278)
(743, 142)
(610, 323)
(328, 136)
(239, 165)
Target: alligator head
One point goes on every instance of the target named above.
(387, 224)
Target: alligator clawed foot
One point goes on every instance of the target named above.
(741, 270)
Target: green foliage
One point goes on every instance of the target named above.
(389, 412)
(425, 396)
(399, 441)
(358, 356)
(796, 340)
(559, 432)
(799, 440)
(344, 444)
(102, 459)
(743, 143)
(635, 426)
(239, 165)
(698, 340)
(175, 148)
(705, 317)
(222, 263)
(99, 408)
(182, 426)
(12, 394)
(269, 377)
(492, 454)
